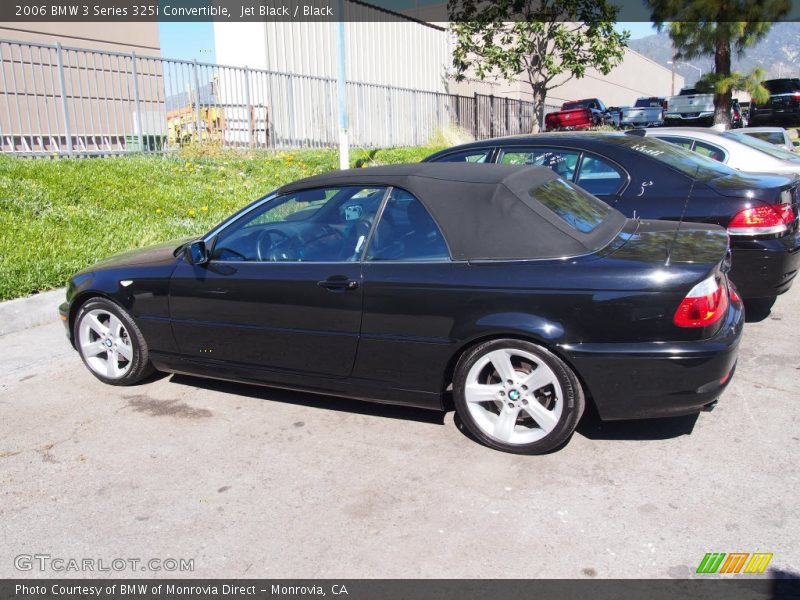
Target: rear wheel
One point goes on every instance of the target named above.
(517, 397)
(110, 343)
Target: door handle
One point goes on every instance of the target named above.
(338, 284)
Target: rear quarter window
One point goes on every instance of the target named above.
(578, 208)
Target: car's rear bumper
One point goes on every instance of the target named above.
(765, 268)
(634, 124)
(659, 379)
(570, 127)
(685, 119)
(769, 115)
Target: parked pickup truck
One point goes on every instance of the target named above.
(578, 114)
(690, 107)
(646, 112)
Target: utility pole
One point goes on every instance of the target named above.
(672, 64)
(344, 147)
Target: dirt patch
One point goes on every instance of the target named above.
(165, 408)
(47, 455)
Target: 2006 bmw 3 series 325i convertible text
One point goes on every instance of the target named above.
(521, 293)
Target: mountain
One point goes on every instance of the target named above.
(778, 54)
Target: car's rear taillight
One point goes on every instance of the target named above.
(733, 292)
(704, 305)
(763, 219)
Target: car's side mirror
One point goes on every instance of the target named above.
(196, 253)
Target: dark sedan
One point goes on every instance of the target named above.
(648, 178)
(521, 291)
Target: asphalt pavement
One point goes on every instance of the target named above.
(255, 482)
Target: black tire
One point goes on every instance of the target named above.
(572, 407)
(140, 366)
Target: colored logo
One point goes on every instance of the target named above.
(735, 562)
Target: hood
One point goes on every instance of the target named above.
(159, 254)
(763, 186)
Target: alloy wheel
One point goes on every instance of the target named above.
(105, 344)
(513, 396)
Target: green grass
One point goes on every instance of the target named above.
(60, 216)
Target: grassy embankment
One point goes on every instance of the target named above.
(59, 216)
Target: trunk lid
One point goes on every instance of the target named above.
(752, 185)
(670, 242)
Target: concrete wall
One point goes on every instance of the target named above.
(141, 38)
(400, 52)
(636, 76)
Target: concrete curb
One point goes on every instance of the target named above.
(22, 313)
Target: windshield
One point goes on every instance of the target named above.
(688, 162)
(766, 147)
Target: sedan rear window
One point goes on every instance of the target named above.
(773, 137)
(578, 208)
(771, 149)
(782, 86)
(688, 162)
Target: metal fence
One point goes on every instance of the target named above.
(57, 100)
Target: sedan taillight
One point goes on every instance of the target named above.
(704, 305)
(763, 219)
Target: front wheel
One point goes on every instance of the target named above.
(517, 397)
(110, 343)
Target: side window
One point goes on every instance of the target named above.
(600, 177)
(317, 225)
(406, 231)
(710, 150)
(561, 161)
(473, 156)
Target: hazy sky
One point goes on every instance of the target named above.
(638, 30)
(187, 41)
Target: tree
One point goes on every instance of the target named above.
(542, 40)
(718, 28)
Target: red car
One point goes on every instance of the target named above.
(578, 114)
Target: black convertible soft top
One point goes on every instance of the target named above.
(485, 211)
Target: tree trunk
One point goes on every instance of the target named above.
(722, 67)
(539, 95)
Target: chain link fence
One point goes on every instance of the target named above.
(58, 100)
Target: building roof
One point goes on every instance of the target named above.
(486, 211)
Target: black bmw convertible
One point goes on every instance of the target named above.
(516, 290)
